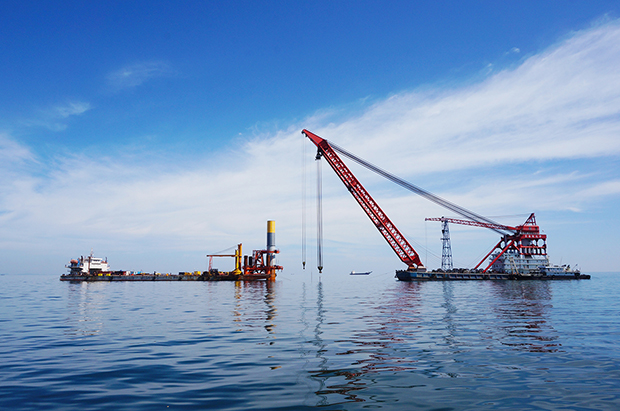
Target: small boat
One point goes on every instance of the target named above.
(364, 273)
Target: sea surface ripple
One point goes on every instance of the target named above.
(335, 342)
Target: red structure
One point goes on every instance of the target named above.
(526, 239)
(395, 239)
(259, 263)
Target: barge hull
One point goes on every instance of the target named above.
(168, 277)
(404, 275)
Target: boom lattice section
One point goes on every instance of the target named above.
(393, 236)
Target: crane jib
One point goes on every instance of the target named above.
(322, 144)
(395, 239)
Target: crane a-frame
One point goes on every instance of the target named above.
(525, 240)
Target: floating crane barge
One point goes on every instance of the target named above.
(521, 253)
(259, 266)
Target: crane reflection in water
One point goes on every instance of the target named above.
(523, 315)
(421, 331)
(323, 374)
(374, 348)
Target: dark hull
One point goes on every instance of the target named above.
(404, 275)
(164, 277)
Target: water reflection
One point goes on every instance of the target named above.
(390, 330)
(450, 312)
(426, 329)
(255, 305)
(85, 302)
(379, 346)
(522, 309)
(322, 373)
(320, 348)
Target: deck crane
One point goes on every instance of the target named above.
(395, 239)
(524, 243)
(525, 240)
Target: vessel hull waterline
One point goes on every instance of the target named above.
(164, 277)
(405, 275)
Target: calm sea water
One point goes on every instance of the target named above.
(334, 342)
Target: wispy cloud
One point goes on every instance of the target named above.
(562, 103)
(11, 152)
(70, 109)
(603, 189)
(136, 74)
(55, 118)
(522, 140)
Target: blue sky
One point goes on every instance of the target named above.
(155, 132)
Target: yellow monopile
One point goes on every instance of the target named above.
(238, 259)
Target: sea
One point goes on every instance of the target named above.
(307, 341)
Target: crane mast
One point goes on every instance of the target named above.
(446, 249)
(392, 235)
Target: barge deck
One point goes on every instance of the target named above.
(405, 275)
(165, 277)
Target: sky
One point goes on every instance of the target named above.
(157, 132)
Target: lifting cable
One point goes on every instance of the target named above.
(432, 197)
(228, 250)
(319, 214)
(303, 204)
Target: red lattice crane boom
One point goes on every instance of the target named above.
(392, 235)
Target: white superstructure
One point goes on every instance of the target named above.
(88, 265)
(511, 262)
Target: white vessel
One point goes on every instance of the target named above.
(88, 265)
(511, 262)
(558, 270)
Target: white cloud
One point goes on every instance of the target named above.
(517, 142)
(136, 74)
(562, 103)
(55, 117)
(12, 153)
(70, 109)
(607, 188)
